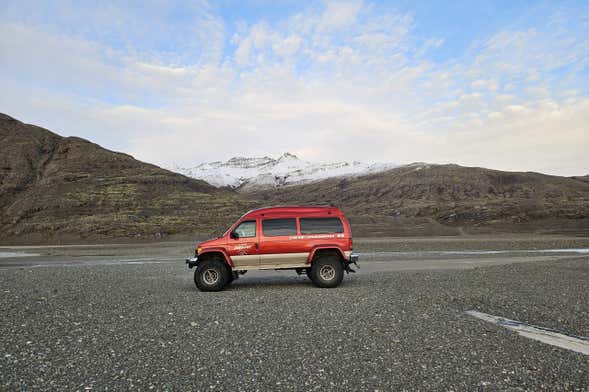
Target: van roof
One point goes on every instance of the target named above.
(285, 210)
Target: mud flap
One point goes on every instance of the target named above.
(353, 260)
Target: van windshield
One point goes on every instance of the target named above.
(229, 228)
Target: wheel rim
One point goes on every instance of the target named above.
(210, 277)
(327, 272)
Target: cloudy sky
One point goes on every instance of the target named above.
(500, 84)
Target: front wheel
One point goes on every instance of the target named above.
(211, 275)
(327, 271)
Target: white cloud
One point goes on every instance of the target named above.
(481, 84)
(346, 82)
(339, 14)
(288, 46)
(173, 32)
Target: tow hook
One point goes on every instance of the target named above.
(192, 262)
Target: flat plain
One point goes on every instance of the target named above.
(128, 317)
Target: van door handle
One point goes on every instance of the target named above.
(257, 246)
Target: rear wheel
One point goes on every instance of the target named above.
(211, 275)
(327, 271)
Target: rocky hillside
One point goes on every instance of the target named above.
(55, 188)
(66, 189)
(449, 199)
(582, 178)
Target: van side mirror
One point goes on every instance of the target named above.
(234, 235)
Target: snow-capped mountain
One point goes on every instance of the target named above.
(288, 169)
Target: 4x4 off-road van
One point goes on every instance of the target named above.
(312, 240)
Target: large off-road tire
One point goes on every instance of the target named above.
(327, 271)
(211, 275)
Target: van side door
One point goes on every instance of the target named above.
(278, 245)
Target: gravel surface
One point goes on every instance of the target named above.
(146, 327)
(475, 242)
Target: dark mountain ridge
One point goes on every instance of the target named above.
(54, 188)
(67, 189)
(449, 199)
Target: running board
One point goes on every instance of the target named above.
(271, 267)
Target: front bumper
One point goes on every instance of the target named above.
(192, 262)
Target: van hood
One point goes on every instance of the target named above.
(212, 241)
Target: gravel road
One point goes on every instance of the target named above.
(146, 327)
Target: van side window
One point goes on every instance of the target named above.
(277, 227)
(321, 225)
(246, 229)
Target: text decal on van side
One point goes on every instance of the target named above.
(314, 236)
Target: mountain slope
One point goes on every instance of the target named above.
(448, 199)
(68, 188)
(55, 188)
(255, 173)
(582, 178)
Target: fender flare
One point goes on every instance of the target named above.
(327, 246)
(218, 250)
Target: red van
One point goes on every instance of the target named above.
(313, 240)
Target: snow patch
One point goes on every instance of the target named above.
(265, 172)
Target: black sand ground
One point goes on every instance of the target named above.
(146, 327)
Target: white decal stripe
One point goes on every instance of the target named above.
(244, 257)
(285, 256)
